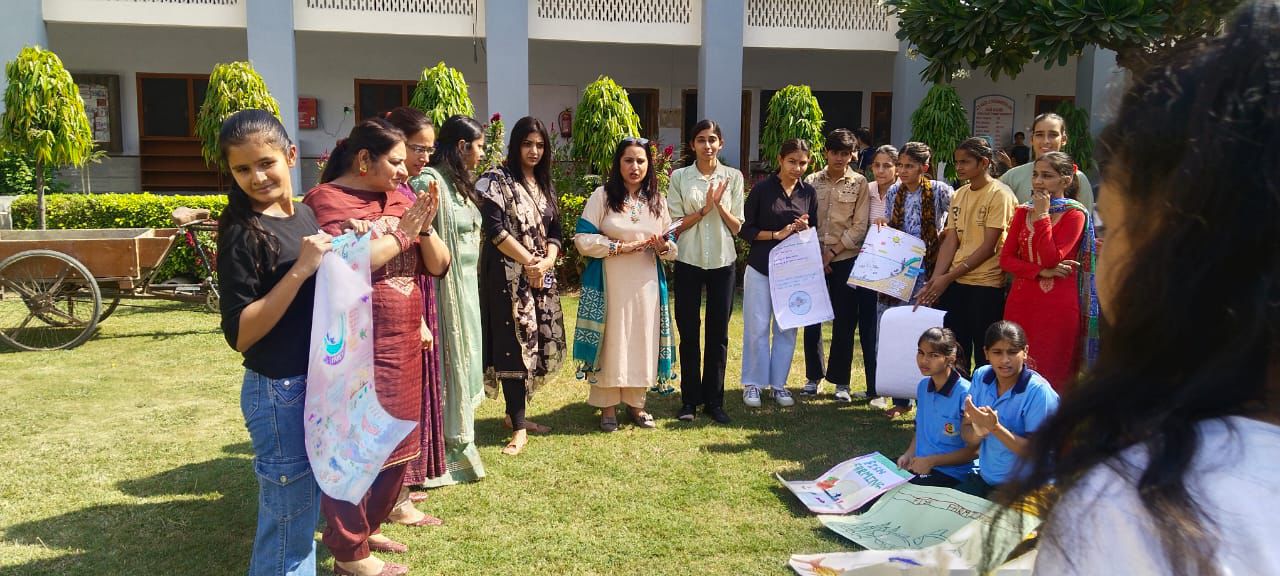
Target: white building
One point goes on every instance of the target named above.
(681, 60)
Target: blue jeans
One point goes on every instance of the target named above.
(764, 364)
(288, 497)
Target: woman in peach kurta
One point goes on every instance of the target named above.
(634, 350)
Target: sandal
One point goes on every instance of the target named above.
(513, 448)
(384, 544)
(609, 423)
(642, 419)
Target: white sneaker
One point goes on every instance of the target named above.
(810, 388)
(881, 403)
(782, 397)
(751, 396)
(842, 394)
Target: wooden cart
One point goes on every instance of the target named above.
(57, 285)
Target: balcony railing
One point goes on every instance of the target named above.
(624, 21)
(205, 13)
(830, 24)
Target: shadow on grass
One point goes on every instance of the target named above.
(204, 525)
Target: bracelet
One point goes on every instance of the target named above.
(613, 248)
(773, 235)
(402, 239)
(427, 233)
(965, 264)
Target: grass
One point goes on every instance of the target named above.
(128, 455)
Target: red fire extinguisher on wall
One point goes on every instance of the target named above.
(566, 123)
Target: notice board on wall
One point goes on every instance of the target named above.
(993, 119)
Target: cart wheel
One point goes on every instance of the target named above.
(211, 297)
(109, 307)
(48, 301)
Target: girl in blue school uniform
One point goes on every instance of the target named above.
(938, 454)
(1007, 403)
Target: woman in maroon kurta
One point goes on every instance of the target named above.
(359, 191)
(1043, 251)
(420, 139)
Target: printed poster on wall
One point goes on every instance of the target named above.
(993, 118)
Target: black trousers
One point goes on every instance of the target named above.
(970, 311)
(936, 479)
(702, 375)
(854, 308)
(514, 392)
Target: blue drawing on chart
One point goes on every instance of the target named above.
(335, 345)
(800, 302)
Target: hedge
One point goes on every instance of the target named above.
(76, 211)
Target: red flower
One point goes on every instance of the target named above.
(496, 117)
(669, 150)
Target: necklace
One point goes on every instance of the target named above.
(632, 205)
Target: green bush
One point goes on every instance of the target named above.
(941, 122)
(793, 113)
(79, 211)
(18, 176)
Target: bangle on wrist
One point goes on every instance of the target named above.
(402, 239)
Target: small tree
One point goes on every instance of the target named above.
(1079, 144)
(1003, 36)
(44, 117)
(793, 113)
(232, 87)
(495, 152)
(441, 93)
(604, 117)
(941, 123)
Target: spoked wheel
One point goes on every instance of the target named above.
(48, 301)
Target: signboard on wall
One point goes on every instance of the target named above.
(101, 95)
(993, 119)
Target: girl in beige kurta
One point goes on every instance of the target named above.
(627, 236)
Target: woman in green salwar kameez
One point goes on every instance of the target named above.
(459, 149)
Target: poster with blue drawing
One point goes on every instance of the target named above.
(797, 284)
(889, 263)
(348, 434)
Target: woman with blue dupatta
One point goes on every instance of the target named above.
(623, 343)
(1050, 251)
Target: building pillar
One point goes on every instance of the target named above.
(1099, 85)
(720, 72)
(272, 53)
(506, 31)
(908, 91)
(21, 24)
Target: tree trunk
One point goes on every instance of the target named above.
(40, 192)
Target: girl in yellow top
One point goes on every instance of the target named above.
(980, 214)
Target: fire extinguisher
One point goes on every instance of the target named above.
(566, 123)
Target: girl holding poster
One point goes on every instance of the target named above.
(268, 253)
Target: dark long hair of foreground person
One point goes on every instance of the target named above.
(1194, 315)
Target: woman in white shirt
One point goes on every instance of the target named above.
(1165, 458)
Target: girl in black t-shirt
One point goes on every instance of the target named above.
(268, 251)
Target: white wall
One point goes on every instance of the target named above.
(127, 50)
(329, 63)
(1034, 80)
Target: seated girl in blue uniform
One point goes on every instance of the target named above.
(1008, 402)
(938, 454)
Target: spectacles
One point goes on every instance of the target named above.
(422, 149)
(636, 141)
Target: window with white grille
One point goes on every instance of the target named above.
(630, 11)
(824, 15)
(457, 7)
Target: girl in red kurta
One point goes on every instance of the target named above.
(1049, 251)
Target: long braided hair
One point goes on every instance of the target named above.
(921, 153)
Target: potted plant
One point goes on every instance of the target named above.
(442, 92)
(604, 117)
(232, 87)
(942, 123)
(793, 113)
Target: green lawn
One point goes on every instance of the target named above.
(128, 456)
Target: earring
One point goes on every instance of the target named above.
(364, 169)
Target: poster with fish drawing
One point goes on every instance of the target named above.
(889, 263)
(348, 434)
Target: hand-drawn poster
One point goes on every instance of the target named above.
(900, 328)
(797, 283)
(914, 517)
(347, 432)
(935, 561)
(889, 263)
(848, 485)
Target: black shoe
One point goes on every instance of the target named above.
(717, 413)
(687, 412)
